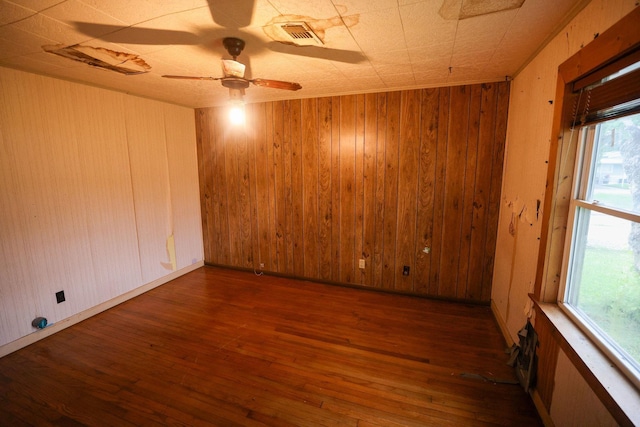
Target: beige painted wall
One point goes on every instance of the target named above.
(519, 226)
(93, 183)
(528, 138)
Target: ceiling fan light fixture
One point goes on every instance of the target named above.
(236, 107)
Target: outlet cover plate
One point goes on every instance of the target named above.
(60, 297)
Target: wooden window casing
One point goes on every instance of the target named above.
(613, 50)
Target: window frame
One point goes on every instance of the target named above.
(583, 175)
(614, 390)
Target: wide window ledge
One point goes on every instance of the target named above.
(617, 393)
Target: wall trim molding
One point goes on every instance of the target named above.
(83, 315)
(542, 411)
(501, 324)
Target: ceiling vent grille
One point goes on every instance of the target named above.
(301, 34)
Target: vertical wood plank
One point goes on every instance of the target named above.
(287, 229)
(426, 188)
(263, 203)
(454, 190)
(481, 195)
(496, 186)
(408, 163)
(336, 197)
(369, 186)
(204, 139)
(381, 169)
(279, 184)
(324, 187)
(297, 188)
(270, 138)
(359, 275)
(548, 350)
(243, 197)
(310, 189)
(252, 146)
(391, 191)
(439, 190)
(222, 253)
(234, 188)
(463, 285)
(347, 188)
(335, 189)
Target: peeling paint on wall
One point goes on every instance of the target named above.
(171, 251)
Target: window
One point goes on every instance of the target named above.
(601, 274)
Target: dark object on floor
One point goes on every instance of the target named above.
(523, 357)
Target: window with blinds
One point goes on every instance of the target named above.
(600, 279)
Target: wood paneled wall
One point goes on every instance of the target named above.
(309, 187)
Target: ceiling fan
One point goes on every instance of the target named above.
(234, 72)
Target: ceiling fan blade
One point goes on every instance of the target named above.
(339, 55)
(191, 77)
(237, 13)
(136, 35)
(276, 84)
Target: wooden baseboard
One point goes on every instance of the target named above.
(501, 324)
(542, 411)
(79, 317)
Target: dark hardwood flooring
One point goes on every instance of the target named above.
(222, 347)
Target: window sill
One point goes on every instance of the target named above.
(613, 388)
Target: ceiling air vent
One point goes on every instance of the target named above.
(301, 34)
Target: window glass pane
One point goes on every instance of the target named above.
(605, 276)
(615, 179)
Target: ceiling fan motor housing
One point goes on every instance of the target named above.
(234, 83)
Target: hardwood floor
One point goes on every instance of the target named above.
(222, 347)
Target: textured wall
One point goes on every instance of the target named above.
(94, 184)
(524, 183)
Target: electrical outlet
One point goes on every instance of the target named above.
(60, 297)
(361, 263)
(262, 265)
(405, 270)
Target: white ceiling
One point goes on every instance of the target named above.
(369, 45)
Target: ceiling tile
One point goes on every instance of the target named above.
(37, 5)
(12, 12)
(350, 7)
(369, 44)
(423, 25)
(317, 9)
(49, 28)
(394, 81)
(379, 31)
(143, 10)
